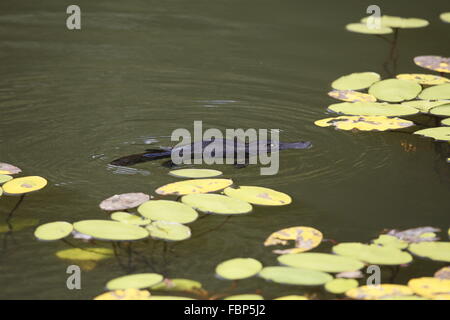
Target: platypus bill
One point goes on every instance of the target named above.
(249, 149)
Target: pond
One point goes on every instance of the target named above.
(73, 101)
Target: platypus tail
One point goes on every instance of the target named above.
(149, 155)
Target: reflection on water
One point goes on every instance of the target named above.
(70, 102)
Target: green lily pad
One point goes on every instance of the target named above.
(5, 178)
(435, 63)
(85, 254)
(338, 286)
(110, 230)
(351, 96)
(53, 231)
(363, 28)
(135, 281)
(372, 254)
(424, 106)
(168, 298)
(445, 16)
(195, 173)
(129, 218)
(194, 186)
(400, 22)
(169, 231)
(177, 284)
(259, 195)
(217, 204)
(439, 92)
(438, 251)
(372, 109)
(295, 276)
(390, 241)
(245, 297)
(364, 123)
(356, 81)
(320, 262)
(439, 133)
(445, 122)
(238, 268)
(395, 90)
(442, 111)
(166, 210)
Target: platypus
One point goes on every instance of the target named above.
(231, 148)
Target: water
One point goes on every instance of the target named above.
(70, 102)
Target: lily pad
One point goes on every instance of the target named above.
(415, 234)
(350, 274)
(194, 186)
(217, 204)
(390, 241)
(356, 81)
(291, 297)
(363, 28)
(306, 238)
(435, 63)
(24, 185)
(124, 201)
(439, 133)
(127, 294)
(445, 122)
(134, 281)
(169, 231)
(238, 268)
(425, 79)
(404, 298)
(433, 288)
(110, 230)
(259, 195)
(321, 262)
(4, 178)
(443, 273)
(85, 254)
(445, 16)
(424, 106)
(365, 123)
(395, 90)
(166, 210)
(378, 292)
(295, 276)
(6, 168)
(372, 254)
(372, 109)
(126, 217)
(400, 22)
(195, 173)
(438, 251)
(439, 92)
(351, 96)
(169, 298)
(338, 286)
(245, 297)
(53, 231)
(178, 284)
(442, 111)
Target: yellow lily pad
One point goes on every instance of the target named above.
(110, 230)
(195, 173)
(351, 96)
(428, 287)
(259, 195)
(135, 281)
(378, 292)
(292, 297)
(245, 297)
(217, 204)
(127, 294)
(425, 79)
(53, 231)
(364, 123)
(443, 273)
(435, 63)
(166, 210)
(24, 185)
(194, 186)
(306, 238)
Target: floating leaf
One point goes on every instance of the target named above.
(6, 168)
(178, 285)
(351, 96)
(126, 217)
(390, 241)
(291, 297)
(238, 268)
(372, 109)
(4, 178)
(432, 288)
(415, 235)
(166, 210)
(321, 262)
(306, 238)
(443, 110)
(425, 79)
(399, 22)
(378, 292)
(127, 294)
(439, 133)
(217, 204)
(24, 185)
(134, 281)
(245, 297)
(443, 273)
(350, 274)
(363, 28)
(85, 254)
(169, 298)
(356, 81)
(110, 230)
(395, 90)
(424, 105)
(195, 173)
(338, 286)
(18, 224)
(259, 195)
(365, 123)
(445, 16)
(372, 254)
(295, 276)
(53, 231)
(446, 122)
(124, 201)
(194, 186)
(435, 63)
(439, 92)
(169, 231)
(404, 298)
(438, 251)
